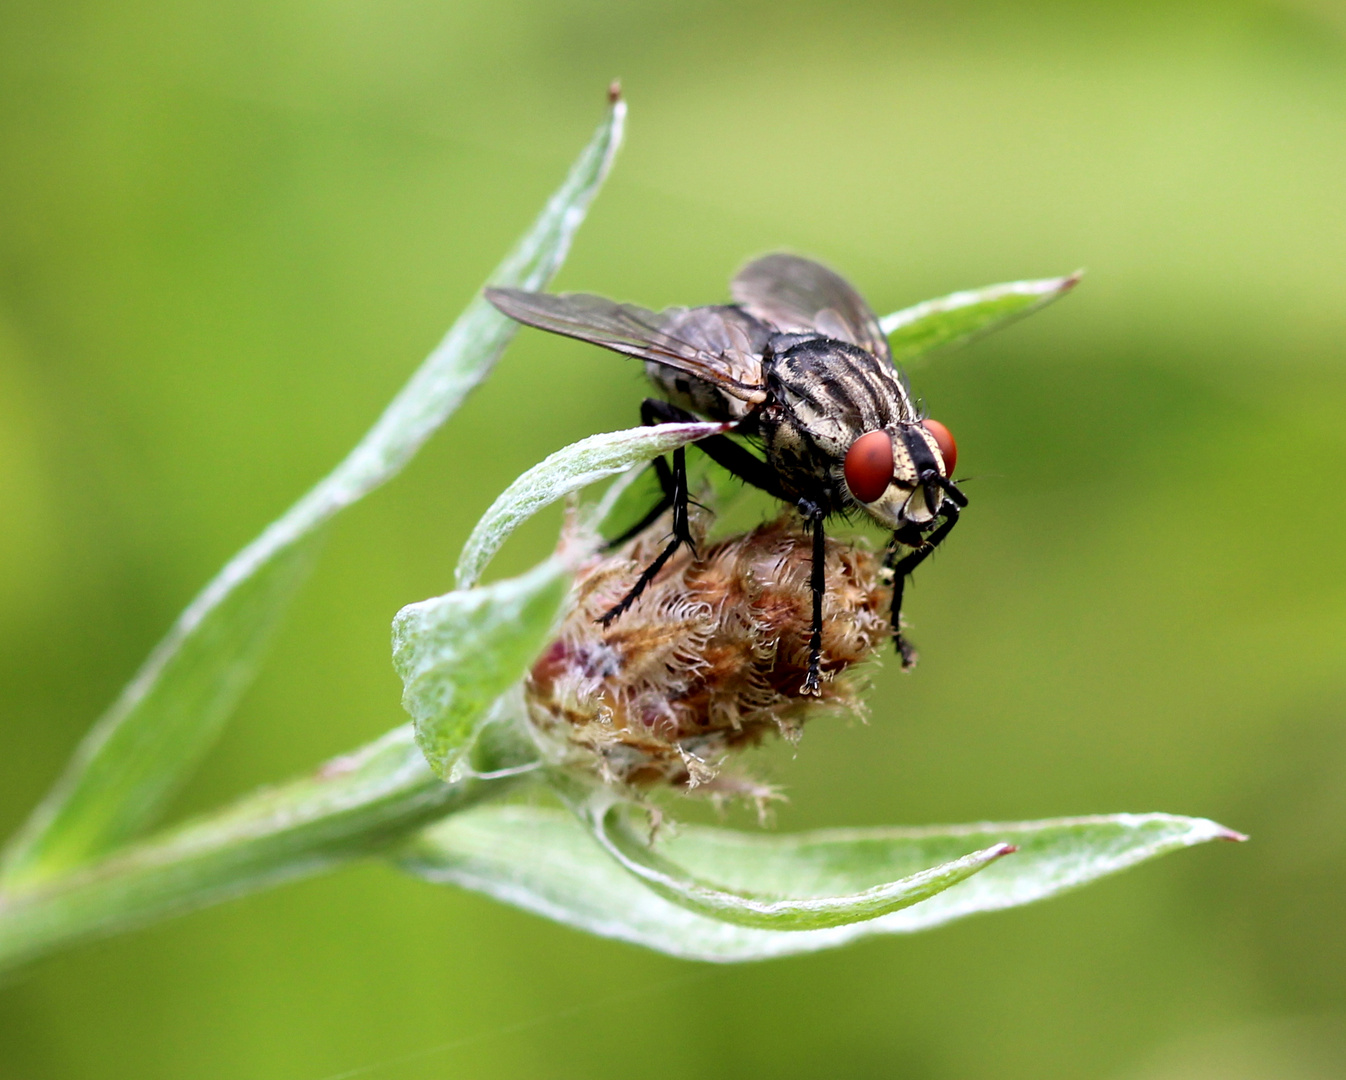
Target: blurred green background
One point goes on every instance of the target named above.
(227, 234)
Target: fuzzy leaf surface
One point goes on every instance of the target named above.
(959, 317)
(457, 653)
(170, 713)
(783, 905)
(545, 861)
(569, 469)
(352, 807)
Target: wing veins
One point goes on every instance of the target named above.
(635, 331)
(797, 294)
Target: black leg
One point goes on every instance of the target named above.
(905, 649)
(742, 463)
(951, 490)
(908, 563)
(653, 412)
(682, 534)
(665, 475)
(903, 567)
(721, 449)
(739, 462)
(815, 516)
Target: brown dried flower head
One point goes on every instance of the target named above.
(710, 659)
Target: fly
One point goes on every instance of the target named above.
(799, 365)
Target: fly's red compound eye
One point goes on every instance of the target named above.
(948, 449)
(869, 465)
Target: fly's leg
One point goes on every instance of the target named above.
(741, 463)
(815, 515)
(903, 567)
(752, 470)
(653, 412)
(721, 449)
(669, 486)
(674, 483)
(682, 534)
(726, 453)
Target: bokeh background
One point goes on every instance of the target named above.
(229, 231)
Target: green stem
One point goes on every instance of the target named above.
(351, 807)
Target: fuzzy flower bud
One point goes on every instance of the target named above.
(711, 658)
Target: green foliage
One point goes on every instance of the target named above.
(705, 893)
(171, 712)
(355, 805)
(569, 470)
(961, 317)
(165, 720)
(456, 654)
(848, 898)
(545, 861)
(229, 233)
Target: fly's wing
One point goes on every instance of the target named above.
(800, 295)
(720, 345)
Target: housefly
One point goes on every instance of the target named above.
(799, 365)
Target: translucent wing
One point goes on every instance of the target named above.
(800, 295)
(721, 345)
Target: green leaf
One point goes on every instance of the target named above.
(456, 654)
(629, 498)
(545, 861)
(171, 712)
(959, 317)
(626, 501)
(569, 469)
(351, 807)
(784, 907)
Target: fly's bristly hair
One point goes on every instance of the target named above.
(709, 662)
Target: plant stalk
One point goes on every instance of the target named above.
(352, 807)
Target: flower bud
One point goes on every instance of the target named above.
(710, 658)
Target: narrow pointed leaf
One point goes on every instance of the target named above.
(458, 653)
(961, 316)
(170, 713)
(569, 469)
(543, 860)
(784, 906)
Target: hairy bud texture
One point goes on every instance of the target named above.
(711, 658)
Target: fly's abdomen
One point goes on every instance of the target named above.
(695, 395)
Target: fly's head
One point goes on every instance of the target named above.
(902, 475)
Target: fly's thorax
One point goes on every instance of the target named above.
(801, 470)
(833, 392)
